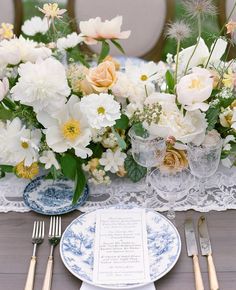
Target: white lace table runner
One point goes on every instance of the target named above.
(220, 194)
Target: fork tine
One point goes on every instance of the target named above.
(50, 227)
(54, 226)
(43, 230)
(37, 230)
(34, 230)
(59, 234)
(57, 226)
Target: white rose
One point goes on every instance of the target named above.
(194, 89)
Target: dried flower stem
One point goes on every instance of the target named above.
(198, 40)
(177, 61)
(222, 29)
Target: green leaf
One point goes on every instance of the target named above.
(121, 142)
(122, 123)
(80, 182)
(97, 150)
(5, 114)
(68, 166)
(139, 130)
(7, 168)
(117, 45)
(170, 81)
(104, 51)
(134, 171)
(212, 116)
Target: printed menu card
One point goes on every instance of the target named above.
(120, 249)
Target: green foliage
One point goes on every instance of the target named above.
(5, 114)
(121, 142)
(7, 168)
(80, 182)
(134, 171)
(97, 149)
(68, 165)
(117, 45)
(104, 51)
(139, 130)
(213, 112)
(122, 123)
(170, 82)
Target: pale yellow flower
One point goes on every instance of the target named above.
(28, 172)
(6, 31)
(51, 10)
(229, 79)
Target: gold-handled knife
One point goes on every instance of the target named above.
(193, 252)
(206, 250)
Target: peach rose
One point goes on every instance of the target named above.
(103, 76)
(111, 59)
(174, 161)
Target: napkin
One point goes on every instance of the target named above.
(86, 286)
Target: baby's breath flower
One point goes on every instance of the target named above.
(196, 8)
(178, 30)
(149, 114)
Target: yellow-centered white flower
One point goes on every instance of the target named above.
(101, 110)
(67, 129)
(18, 143)
(194, 89)
(42, 85)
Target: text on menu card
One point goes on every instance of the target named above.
(120, 250)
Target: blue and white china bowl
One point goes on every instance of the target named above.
(76, 247)
(52, 197)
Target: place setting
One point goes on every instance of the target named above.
(117, 145)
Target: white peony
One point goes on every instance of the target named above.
(101, 110)
(18, 50)
(67, 129)
(70, 41)
(42, 85)
(35, 25)
(195, 88)
(48, 159)
(4, 88)
(201, 54)
(94, 29)
(112, 160)
(18, 143)
(188, 128)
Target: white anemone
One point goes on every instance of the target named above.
(67, 129)
(35, 25)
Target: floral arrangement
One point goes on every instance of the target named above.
(69, 115)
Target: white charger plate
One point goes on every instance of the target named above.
(76, 247)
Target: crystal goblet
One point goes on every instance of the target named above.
(204, 161)
(171, 186)
(148, 151)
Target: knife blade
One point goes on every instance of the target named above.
(193, 252)
(205, 245)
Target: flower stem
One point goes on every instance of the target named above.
(146, 92)
(198, 40)
(222, 29)
(177, 61)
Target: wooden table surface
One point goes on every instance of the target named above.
(16, 249)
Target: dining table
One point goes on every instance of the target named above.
(16, 250)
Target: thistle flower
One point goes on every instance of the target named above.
(196, 8)
(51, 11)
(178, 30)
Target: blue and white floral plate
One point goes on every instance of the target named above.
(76, 247)
(52, 197)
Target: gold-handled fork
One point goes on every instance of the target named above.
(37, 238)
(54, 236)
